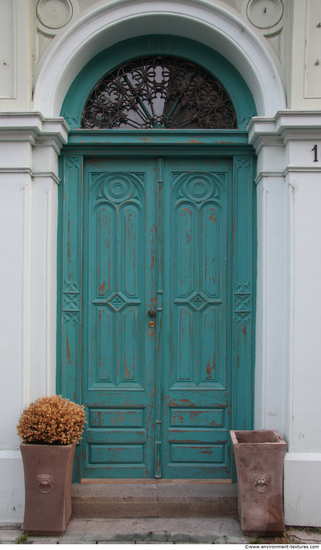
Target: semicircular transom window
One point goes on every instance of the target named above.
(159, 92)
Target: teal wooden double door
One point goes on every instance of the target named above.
(163, 248)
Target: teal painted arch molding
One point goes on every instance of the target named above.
(185, 48)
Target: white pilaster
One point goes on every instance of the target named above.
(28, 227)
(288, 377)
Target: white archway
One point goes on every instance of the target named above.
(108, 24)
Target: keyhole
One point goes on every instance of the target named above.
(265, 10)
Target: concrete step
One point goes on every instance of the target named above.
(154, 499)
(138, 531)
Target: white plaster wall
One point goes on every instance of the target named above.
(305, 78)
(12, 491)
(302, 481)
(15, 190)
(16, 56)
(288, 374)
(28, 250)
(306, 373)
(271, 322)
(43, 287)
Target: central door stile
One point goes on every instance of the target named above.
(160, 263)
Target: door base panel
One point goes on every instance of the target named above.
(168, 498)
(180, 481)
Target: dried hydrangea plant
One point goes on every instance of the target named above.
(52, 420)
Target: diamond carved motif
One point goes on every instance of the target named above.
(116, 302)
(198, 301)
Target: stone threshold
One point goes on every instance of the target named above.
(154, 498)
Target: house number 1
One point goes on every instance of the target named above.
(315, 149)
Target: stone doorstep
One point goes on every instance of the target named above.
(152, 500)
(135, 531)
(155, 530)
(152, 531)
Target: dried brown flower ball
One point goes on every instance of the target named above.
(52, 420)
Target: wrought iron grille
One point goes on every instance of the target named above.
(159, 92)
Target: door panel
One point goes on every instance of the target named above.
(158, 234)
(119, 352)
(196, 368)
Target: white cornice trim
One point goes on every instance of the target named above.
(16, 170)
(286, 126)
(305, 169)
(268, 174)
(51, 175)
(34, 128)
(30, 172)
(283, 173)
(314, 457)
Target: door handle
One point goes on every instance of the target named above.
(151, 312)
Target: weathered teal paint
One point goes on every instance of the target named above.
(198, 218)
(69, 304)
(160, 401)
(197, 271)
(159, 139)
(119, 348)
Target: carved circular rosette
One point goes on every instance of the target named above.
(117, 188)
(199, 187)
(265, 14)
(45, 483)
(54, 14)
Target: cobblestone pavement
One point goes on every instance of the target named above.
(157, 530)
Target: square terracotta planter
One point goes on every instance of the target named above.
(259, 457)
(48, 476)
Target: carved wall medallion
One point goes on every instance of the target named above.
(261, 482)
(265, 14)
(45, 483)
(54, 14)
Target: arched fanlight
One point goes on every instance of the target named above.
(159, 92)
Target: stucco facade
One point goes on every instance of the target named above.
(275, 45)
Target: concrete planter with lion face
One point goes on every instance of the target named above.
(48, 476)
(259, 457)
